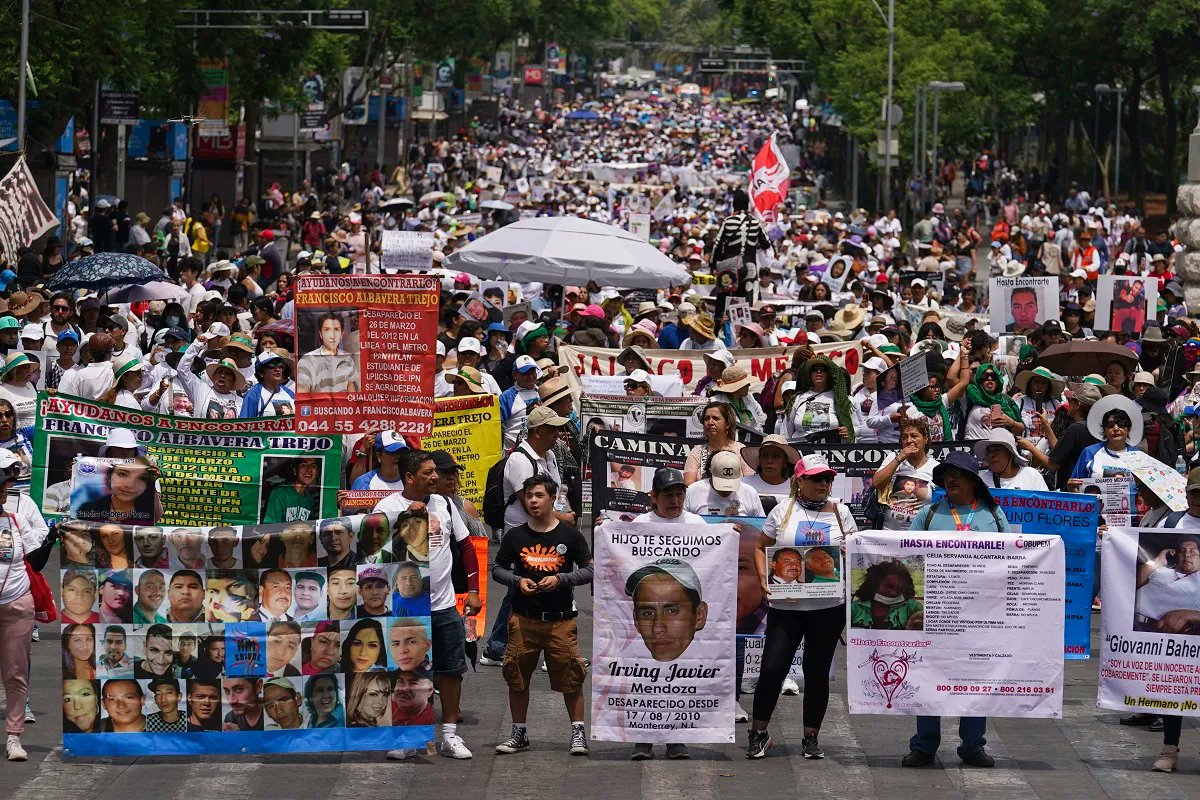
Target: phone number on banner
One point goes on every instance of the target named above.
(961, 689)
(412, 419)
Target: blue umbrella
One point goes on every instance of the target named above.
(586, 114)
(104, 271)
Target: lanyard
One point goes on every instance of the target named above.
(958, 523)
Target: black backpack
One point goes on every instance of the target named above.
(494, 500)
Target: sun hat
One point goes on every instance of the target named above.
(1023, 378)
(131, 364)
(469, 376)
(1095, 417)
(750, 454)
(239, 380)
(1000, 437)
(733, 378)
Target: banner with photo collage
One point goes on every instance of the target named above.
(298, 637)
(211, 472)
(622, 470)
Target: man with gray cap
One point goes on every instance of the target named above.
(668, 607)
(1065, 449)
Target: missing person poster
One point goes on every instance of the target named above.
(1118, 499)
(1125, 302)
(300, 637)
(1074, 518)
(210, 472)
(663, 638)
(1150, 621)
(812, 572)
(468, 428)
(950, 624)
(622, 467)
(406, 251)
(1022, 304)
(365, 352)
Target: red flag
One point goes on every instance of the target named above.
(769, 180)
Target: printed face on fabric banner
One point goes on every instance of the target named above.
(1150, 621)
(919, 605)
(1020, 305)
(212, 636)
(664, 627)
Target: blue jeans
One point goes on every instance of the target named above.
(498, 637)
(929, 735)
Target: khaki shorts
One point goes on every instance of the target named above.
(528, 639)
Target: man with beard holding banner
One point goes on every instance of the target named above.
(967, 506)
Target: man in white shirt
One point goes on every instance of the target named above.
(92, 381)
(1166, 595)
(189, 273)
(420, 476)
(470, 352)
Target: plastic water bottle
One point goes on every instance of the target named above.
(560, 501)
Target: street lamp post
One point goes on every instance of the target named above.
(889, 19)
(937, 87)
(1119, 91)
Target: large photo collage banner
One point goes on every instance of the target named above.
(293, 637)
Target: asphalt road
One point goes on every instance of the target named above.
(1087, 754)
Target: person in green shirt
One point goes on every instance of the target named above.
(295, 500)
(151, 590)
(820, 566)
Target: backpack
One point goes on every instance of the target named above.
(494, 501)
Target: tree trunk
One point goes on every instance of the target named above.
(1133, 129)
(1170, 128)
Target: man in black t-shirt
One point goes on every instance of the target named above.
(543, 559)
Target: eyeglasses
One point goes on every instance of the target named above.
(822, 478)
(61, 308)
(1112, 423)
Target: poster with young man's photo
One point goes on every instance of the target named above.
(1020, 305)
(1125, 302)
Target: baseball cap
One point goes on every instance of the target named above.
(69, 334)
(390, 442)
(666, 477)
(119, 437)
(637, 376)
(9, 323)
(444, 462)
(176, 333)
(542, 415)
(681, 571)
(311, 575)
(471, 344)
(281, 682)
(524, 364)
(33, 331)
(812, 464)
(441, 349)
(726, 470)
(875, 363)
(371, 573)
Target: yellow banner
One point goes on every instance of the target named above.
(469, 429)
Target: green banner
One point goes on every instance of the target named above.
(212, 472)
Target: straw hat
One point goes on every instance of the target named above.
(851, 316)
(750, 454)
(1057, 384)
(733, 378)
(703, 325)
(239, 380)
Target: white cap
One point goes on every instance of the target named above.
(33, 331)
(726, 470)
(875, 363)
(1078, 274)
(685, 308)
(471, 344)
(524, 328)
(918, 282)
(441, 349)
(524, 364)
(218, 329)
(637, 376)
(878, 339)
(118, 437)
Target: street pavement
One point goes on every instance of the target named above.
(1087, 754)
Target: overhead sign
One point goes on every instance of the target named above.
(535, 75)
(118, 108)
(713, 65)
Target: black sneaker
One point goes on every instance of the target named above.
(642, 752)
(760, 743)
(979, 759)
(811, 748)
(579, 745)
(1138, 720)
(516, 743)
(678, 752)
(917, 758)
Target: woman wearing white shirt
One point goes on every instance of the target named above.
(1006, 469)
(903, 483)
(772, 462)
(824, 404)
(16, 388)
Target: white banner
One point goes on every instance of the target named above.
(406, 251)
(24, 216)
(1021, 304)
(663, 636)
(639, 225)
(970, 624)
(1150, 621)
(690, 367)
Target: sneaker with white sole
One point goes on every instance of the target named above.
(400, 755)
(36, 635)
(790, 688)
(516, 743)
(739, 714)
(579, 745)
(29, 715)
(490, 662)
(642, 752)
(1167, 760)
(13, 750)
(453, 746)
(760, 743)
(811, 749)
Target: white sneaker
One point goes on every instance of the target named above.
(790, 687)
(13, 750)
(489, 662)
(400, 755)
(29, 715)
(453, 746)
(740, 715)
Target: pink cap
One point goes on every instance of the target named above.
(812, 464)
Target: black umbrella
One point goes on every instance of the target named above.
(1083, 357)
(104, 271)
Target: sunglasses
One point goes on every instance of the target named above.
(1112, 423)
(822, 478)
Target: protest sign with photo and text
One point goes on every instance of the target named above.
(663, 638)
(978, 631)
(365, 353)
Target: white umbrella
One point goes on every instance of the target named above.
(143, 292)
(397, 202)
(569, 251)
(497, 205)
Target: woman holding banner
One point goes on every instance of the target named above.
(809, 518)
(913, 463)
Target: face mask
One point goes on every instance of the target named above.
(888, 601)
